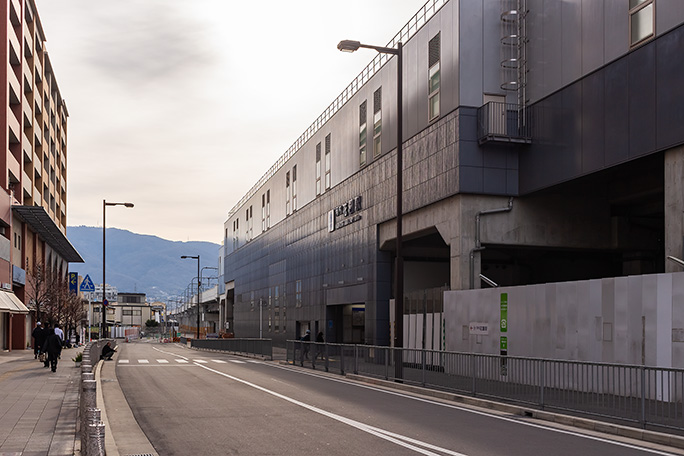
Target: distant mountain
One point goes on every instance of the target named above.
(138, 263)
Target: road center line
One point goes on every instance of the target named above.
(397, 439)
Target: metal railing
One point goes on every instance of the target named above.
(504, 122)
(255, 347)
(634, 394)
(414, 24)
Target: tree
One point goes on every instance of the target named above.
(151, 323)
(38, 288)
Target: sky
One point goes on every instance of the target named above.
(181, 106)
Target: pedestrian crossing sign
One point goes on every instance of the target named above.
(87, 284)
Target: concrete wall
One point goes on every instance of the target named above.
(632, 320)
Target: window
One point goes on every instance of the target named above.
(641, 21)
(276, 310)
(362, 133)
(433, 78)
(377, 123)
(298, 293)
(327, 162)
(251, 223)
(263, 212)
(318, 169)
(288, 193)
(268, 209)
(247, 225)
(294, 188)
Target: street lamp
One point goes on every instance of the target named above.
(103, 334)
(198, 289)
(351, 46)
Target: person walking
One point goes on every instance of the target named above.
(53, 348)
(38, 335)
(320, 347)
(60, 333)
(305, 346)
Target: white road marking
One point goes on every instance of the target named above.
(123, 361)
(143, 361)
(237, 361)
(397, 439)
(477, 412)
(220, 361)
(163, 361)
(201, 361)
(182, 361)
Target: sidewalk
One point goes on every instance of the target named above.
(38, 408)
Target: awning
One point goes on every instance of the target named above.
(41, 223)
(10, 303)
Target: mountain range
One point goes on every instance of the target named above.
(138, 263)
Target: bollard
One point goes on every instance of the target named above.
(86, 367)
(87, 376)
(92, 416)
(95, 444)
(88, 401)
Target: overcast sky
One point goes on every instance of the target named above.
(180, 106)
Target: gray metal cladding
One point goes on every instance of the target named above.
(632, 107)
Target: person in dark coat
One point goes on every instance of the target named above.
(53, 348)
(320, 348)
(38, 335)
(107, 352)
(305, 346)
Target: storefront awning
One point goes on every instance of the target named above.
(41, 223)
(10, 303)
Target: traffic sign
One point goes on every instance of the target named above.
(87, 284)
(73, 282)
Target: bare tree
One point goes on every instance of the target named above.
(38, 284)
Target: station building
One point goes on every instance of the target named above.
(543, 141)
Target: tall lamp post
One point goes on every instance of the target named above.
(351, 46)
(104, 280)
(198, 289)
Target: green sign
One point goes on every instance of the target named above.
(504, 312)
(504, 343)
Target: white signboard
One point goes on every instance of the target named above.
(481, 329)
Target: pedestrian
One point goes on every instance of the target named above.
(107, 352)
(53, 348)
(320, 347)
(59, 332)
(305, 346)
(38, 335)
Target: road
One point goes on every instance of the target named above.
(202, 403)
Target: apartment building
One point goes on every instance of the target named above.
(33, 184)
(542, 142)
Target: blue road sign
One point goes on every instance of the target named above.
(87, 284)
(73, 282)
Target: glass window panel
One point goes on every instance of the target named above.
(434, 106)
(633, 3)
(642, 24)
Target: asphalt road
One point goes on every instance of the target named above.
(202, 403)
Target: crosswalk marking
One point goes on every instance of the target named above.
(185, 361)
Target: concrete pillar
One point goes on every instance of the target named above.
(674, 207)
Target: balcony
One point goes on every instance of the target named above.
(504, 123)
(14, 86)
(14, 47)
(28, 42)
(37, 166)
(28, 114)
(28, 77)
(28, 149)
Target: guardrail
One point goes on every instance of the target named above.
(504, 122)
(255, 347)
(634, 394)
